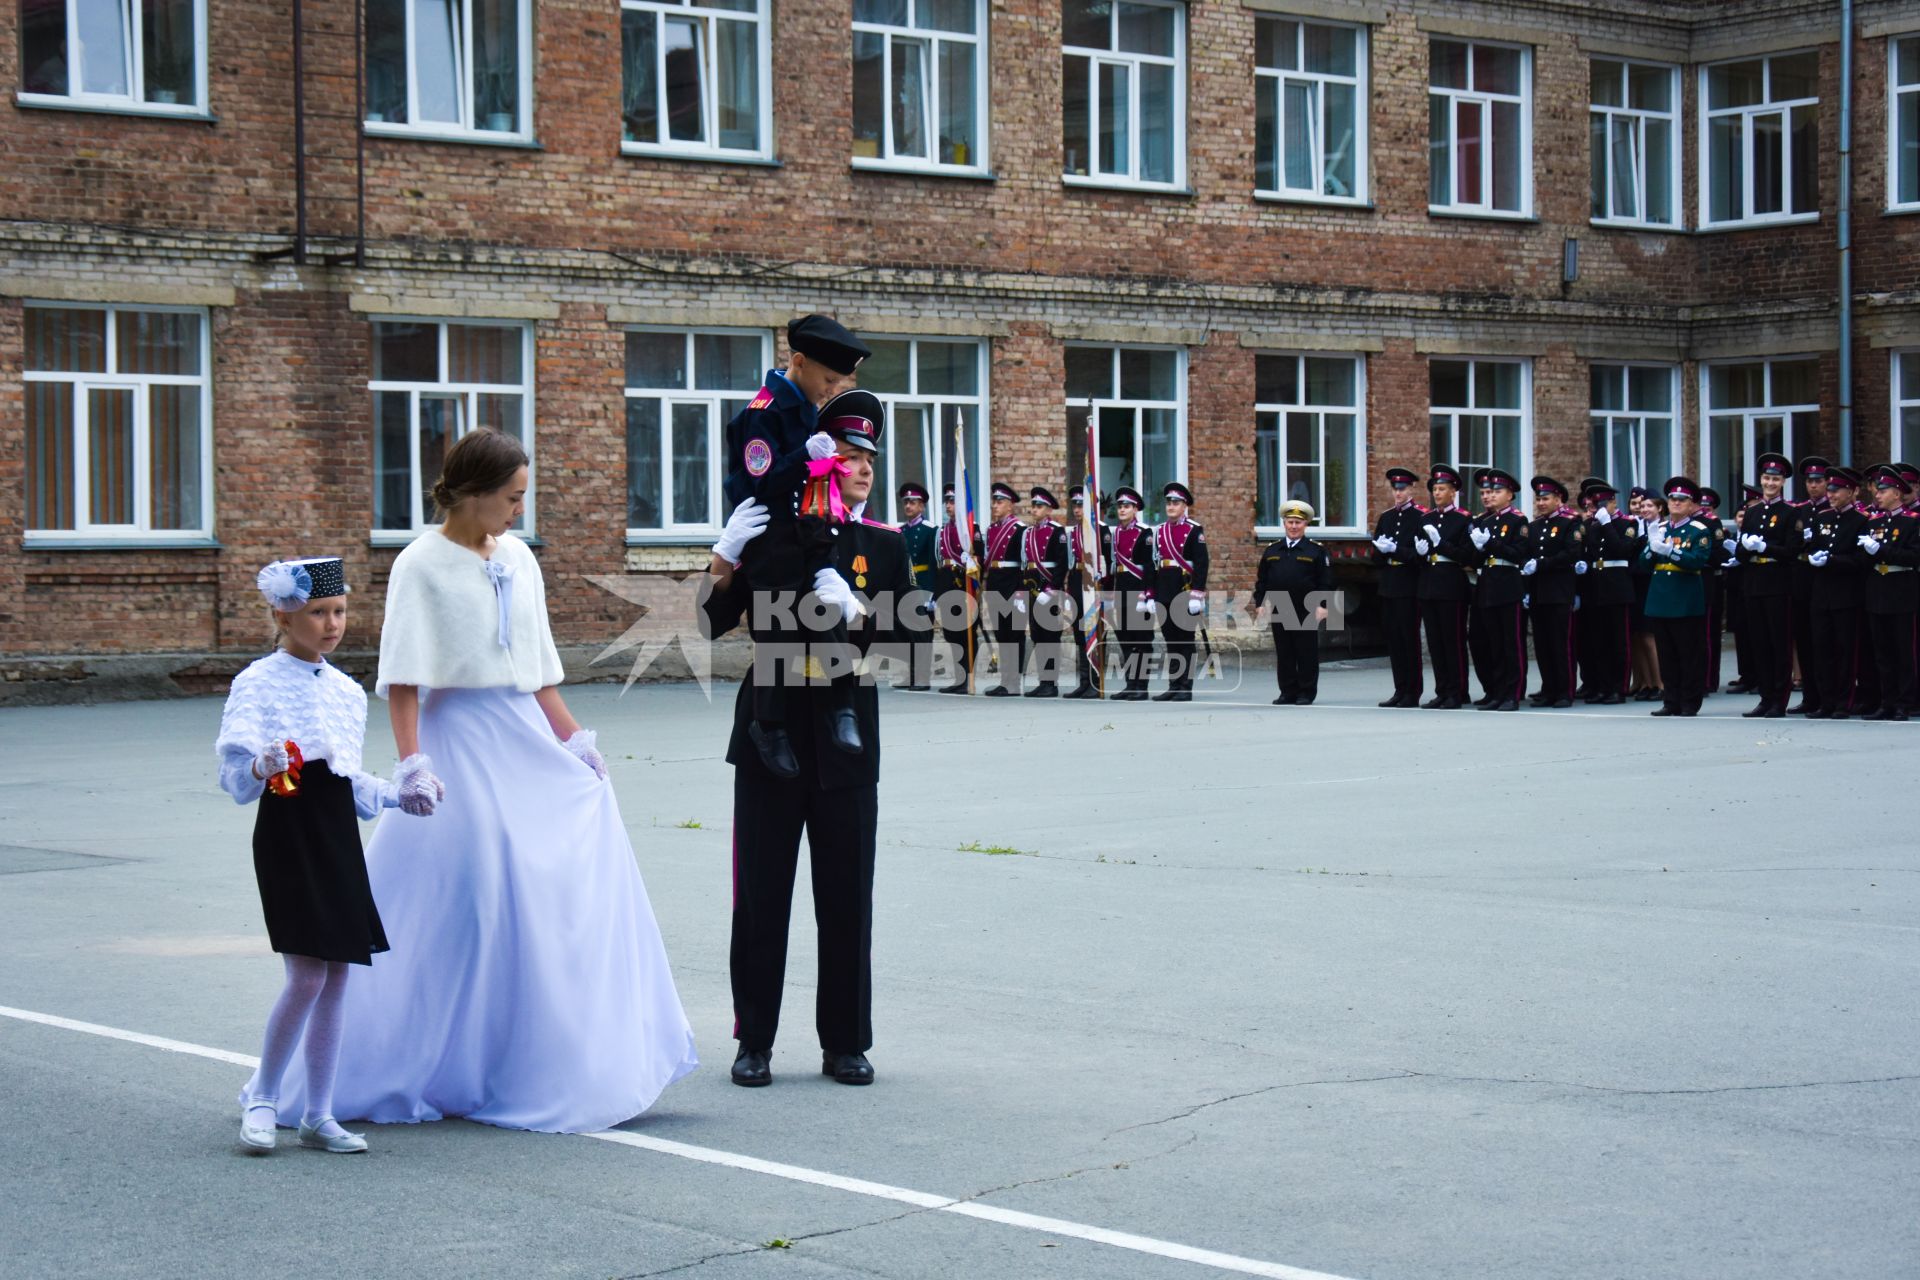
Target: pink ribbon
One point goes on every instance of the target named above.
(832, 469)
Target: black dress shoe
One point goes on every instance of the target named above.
(1130, 695)
(1777, 711)
(999, 691)
(959, 686)
(1390, 702)
(1285, 700)
(1510, 704)
(1610, 700)
(1306, 701)
(1174, 695)
(847, 1068)
(775, 748)
(1835, 715)
(1045, 689)
(1801, 708)
(1432, 703)
(1667, 711)
(1559, 703)
(752, 1069)
(1738, 686)
(1764, 709)
(1447, 704)
(1083, 690)
(843, 730)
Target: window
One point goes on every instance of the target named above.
(1479, 415)
(1635, 125)
(1310, 121)
(933, 390)
(450, 68)
(139, 55)
(693, 78)
(1124, 92)
(682, 390)
(1752, 408)
(1903, 123)
(1636, 435)
(1906, 403)
(1308, 439)
(1760, 120)
(919, 71)
(432, 383)
(119, 426)
(1137, 397)
(1480, 128)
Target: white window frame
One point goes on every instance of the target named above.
(1362, 55)
(133, 101)
(1358, 462)
(1096, 58)
(886, 483)
(1524, 414)
(680, 533)
(1485, 101)
(1076, 466)
(466, 130)
(469, 392)
(1644, 421)
(1897, 92)
(141, 532)
(1783, 109)
(1791, 447)
(1896, 432)
(930, 122)
(762, 19)
(1640, 116)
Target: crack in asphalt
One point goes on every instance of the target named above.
(1254, 1093)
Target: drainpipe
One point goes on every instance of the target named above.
(1846, 233)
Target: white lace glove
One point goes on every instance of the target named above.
(414, 789)
(1732, 545)
(272, 760)
(821, 445)
(1869, 544)
(581, 744)
(1197, 603)
(1753, 542)
(835, 590)
(1386, 546)
(1144, 607)
(1481, 537)
(1422, 545)
(748, 521)
(1579, 566)
(1602, 516)
(1818, 559)
(1530, 568)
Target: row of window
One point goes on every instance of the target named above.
(696, 80)
(120, 419)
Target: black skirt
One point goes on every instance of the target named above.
(312, 872)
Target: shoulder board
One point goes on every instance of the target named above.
(1696, 523)
(762, 401)
(1422, 510)
(871, 523)
(1196, 524)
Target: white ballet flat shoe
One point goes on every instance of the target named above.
(257, 1139)
(345, 1144)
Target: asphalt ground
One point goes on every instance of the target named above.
(1161, 991)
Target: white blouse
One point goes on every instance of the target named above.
(458, 620)
(317, 706)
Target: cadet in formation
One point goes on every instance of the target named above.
(1180, 590)
(1294, 580)
(1399, 585)
(919, 537)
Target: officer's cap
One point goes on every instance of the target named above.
(1126, 495)
(1907, 469)
(1814, 467)
(857, 417)
(1888, 476)
(1545, 485)
(1400, 477)
(825, 339)
(1774, 464)
(1040, 495)
(1177, 491)
(1636, 493)
(1077, 494)
(1442, 474)
(1005, 491)
(1294, 507)
(1709, 496)
(914, 489)
(1681, 487)
(1495, 478)
(1842, 478)
(946, 492)
(1749, 492)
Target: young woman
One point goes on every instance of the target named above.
(1651, 512)
(528, 986)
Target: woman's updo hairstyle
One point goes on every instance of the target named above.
(479, 462)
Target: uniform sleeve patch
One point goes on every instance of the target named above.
(759, 457)
(762, 401)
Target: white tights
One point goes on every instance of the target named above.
(309, 1001)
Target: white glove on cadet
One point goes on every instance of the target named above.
(1602, 516)
(748, 521)
(835, 590)
(1422, 545)
(1806, 534)
(1144, 607)
(272, 760)
(1579, 566)
(1732, 545)
(1818, 559)
(1433, 534)
(1197, 603)
(1386, 546)
(1481, 537)
(415, 790)
(1530, 568)
(581, 744)
(1869, 544)
(1753, 542)
(821, 445)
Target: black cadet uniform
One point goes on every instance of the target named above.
(1130, 576)
(919, 537)
(1444, 594)
(1893, 599)
(950, 589)
(1555, 544)
(1078, 560)
(1399, 588)
(1606, 598)
(1766, 590)
(1496, 599)
(1180, 554)
(1813, 694)
(1837, 566)
(1006, 581)
(1721, 586)
(1291, 571)
(1043, 561)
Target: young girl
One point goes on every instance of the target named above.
(306, 844)
(527, 985)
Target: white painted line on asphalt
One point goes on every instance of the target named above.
(793, 1173)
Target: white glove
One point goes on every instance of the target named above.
(1481, 537)
(1818, 559)
(1019, 604)
(1732, 545)
(1869, 544)
(581, 744)
(415, 788)
(1043, 597)
(1196, 604)
(1658, 544)
(1422, 545)
(967, 562)
(1526, 601)
(1579, 566)
(834, 590)
(1144, 607)
(1730, 563)
(1530, 568)
(1806, 534)
(1753, 542)
(1433, 534)
(1386, 546)
(272, 760)
(748, 521)
(821, 445)
(1602, 516)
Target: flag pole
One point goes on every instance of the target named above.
(966, 535)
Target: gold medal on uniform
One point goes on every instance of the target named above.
(860, 571)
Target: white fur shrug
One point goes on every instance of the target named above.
(449, 610)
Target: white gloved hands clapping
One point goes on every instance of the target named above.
(1422, 545)
(1753, 542)
(748, 521)
(1818, 559)
(1869, 544)
(1481, 537)
(1386, 546)
(581, 745)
